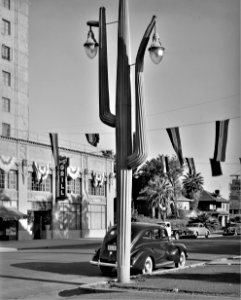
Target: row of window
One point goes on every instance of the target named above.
(69, 216)
(10, 181)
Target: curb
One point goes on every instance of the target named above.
(106, 286)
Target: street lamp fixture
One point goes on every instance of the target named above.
(91, 45)
(130, 154)
(156, 50)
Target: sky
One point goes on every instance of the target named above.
(196, 84)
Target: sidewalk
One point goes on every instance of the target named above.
(45, 244)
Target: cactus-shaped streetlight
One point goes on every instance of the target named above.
(127, 156)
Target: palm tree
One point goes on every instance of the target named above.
(193, 185)
(159, 192)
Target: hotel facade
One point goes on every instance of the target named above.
(29, 206)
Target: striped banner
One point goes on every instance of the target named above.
(93, 138)
(221, 140)
(54, 147)
(216, 167)
(165, 164)
(191, 165)
(176, 142)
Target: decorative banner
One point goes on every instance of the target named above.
(54, 147)
(191, 165)
(176, 142)
(93, 138)
(216, 167)
(73, 172)
(40, 172)
(98, 179)
(24, 169)
(221, 140)
(167, 164)
(62, 175)
(7, 163)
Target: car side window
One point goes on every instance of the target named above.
(147, 235)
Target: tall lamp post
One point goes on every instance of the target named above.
(128, 157)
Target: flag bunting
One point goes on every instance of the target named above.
(174, 136)
(93, 138)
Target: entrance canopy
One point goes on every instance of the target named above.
(11, 214)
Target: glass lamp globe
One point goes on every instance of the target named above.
(91, 46)
(156, 50)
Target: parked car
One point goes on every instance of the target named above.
(167, 225)
(150, 249)
(172, 233)
(195, 230)
(232, 229)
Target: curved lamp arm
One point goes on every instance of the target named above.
(140, 145)
(104, 104)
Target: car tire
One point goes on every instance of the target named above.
(106, 270)
(177, 236)
(148, 266)
(206, 234)
(181, 260)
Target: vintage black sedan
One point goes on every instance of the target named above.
(150, 249)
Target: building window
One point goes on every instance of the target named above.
(97, 216)
(74, 186)
(6, 129)
(6, 27)
(6, 4)
(8, 180)
(96, 191)
(5, 104)
(44, 186)
(5, 52)
(6, 78)
(69, 216)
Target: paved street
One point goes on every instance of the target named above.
(59, 271)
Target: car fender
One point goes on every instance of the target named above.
(176, 250)
(138, 258)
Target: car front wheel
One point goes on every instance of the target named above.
(181, 260)
(148, 266)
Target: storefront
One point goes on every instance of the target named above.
(9, 223)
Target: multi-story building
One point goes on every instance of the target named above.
(27, 169)
(14, 113)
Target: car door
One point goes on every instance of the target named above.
(161, 242)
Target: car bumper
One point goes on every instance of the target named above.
(100, 263)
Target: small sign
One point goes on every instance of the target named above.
(62, 177)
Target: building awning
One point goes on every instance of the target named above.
(11, 214)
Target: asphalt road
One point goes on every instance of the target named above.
(58, 273)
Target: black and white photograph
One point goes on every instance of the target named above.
(120, 149)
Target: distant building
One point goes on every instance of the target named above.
(235, 195)
(27, 170)
(214, 204)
